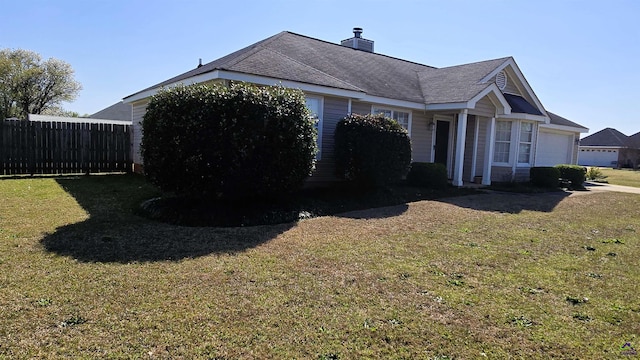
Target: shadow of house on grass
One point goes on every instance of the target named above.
(511, 203)
(113, 233)
(376, 213)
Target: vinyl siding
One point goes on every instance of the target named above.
(482, 143)
(420, 137)
(485, 108)
(468, 147)
(139, 109)
(511, 87)
(335, 109)
(362, 108)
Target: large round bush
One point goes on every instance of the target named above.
(229, 142)
(371, 150)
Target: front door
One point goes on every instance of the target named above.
(442, 142)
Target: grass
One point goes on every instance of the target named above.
(625, 177)
(304, 204)
(485, 275)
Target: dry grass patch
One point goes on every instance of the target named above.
(464, 277)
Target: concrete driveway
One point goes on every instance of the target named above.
(595, 187)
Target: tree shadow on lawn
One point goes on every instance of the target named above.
(114, 233)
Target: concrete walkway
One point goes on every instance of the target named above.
(596, 187)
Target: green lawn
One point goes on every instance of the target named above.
(624, 177)
(482, 276)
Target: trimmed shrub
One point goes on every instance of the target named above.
(371, 150)
(431, 175)
(545, 176)
(595, 174)
(575, 174)
(228, 142)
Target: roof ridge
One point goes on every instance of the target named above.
(373, 53)
(506, 58)
(616, 133)
(254, 48)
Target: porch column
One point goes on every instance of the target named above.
(474, 159)
(461, 138)
(488, 152)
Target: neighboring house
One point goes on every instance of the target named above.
(117, 111)
(89, 120)
(481, 120)
(610, 148)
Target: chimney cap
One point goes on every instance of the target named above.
(357, 31)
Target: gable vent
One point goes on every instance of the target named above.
(501, 80)
(357, 42)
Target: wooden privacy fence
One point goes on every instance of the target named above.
(37, 147)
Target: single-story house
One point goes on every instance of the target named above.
(610, 148)
(117, 114)
(482, 120)
(117, 111)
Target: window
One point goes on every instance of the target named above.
(314, 104)
(502, 148)
(526, 141)
(403, 118)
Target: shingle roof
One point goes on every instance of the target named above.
(299, 58)
(634, 141)
(294, 57)
(606, 137)
(559, 120)
(117, 111)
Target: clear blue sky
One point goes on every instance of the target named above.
(582, 58)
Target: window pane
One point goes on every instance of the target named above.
(501, 152)
(524, 153)
(402, 118)
(503, 131)
(384, 112)
(503, 142)
(314, 106)
(526, 132)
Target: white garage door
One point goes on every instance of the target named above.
(553, 149)
(598, 157)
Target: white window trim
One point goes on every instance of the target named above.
(514, 144)
(532, 143)
(393, 109)
(495, 141)
(320, 123)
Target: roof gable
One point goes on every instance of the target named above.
(515, 75)
(456, 83)
(606, 137)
